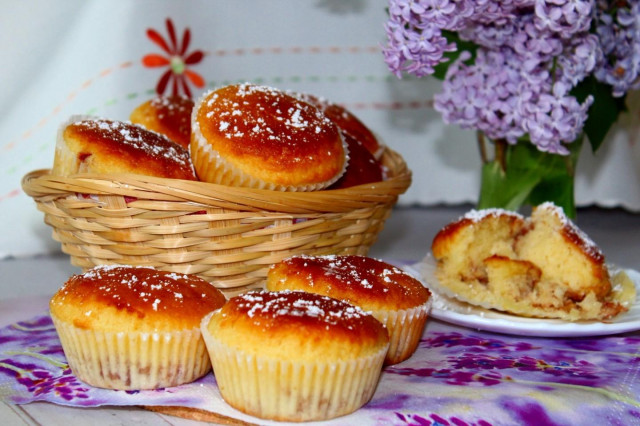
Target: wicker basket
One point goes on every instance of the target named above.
(227, 235)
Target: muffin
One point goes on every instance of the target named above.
(124, 327)
(395, 298)
(347, 122)
(363, 167)
(294, 356)
(257, 136)
(541, 266)
(167, 115)
(96, 145)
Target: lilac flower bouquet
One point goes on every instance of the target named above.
(532, 76)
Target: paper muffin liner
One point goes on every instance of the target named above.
(211, 167)
(290, 390)
(405, 327)
(135, 360)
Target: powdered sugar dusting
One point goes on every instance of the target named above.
(175, 113)
(155, 304)
(141, 288)
(297, 304)
(244, 112)
(173, 106)
(137, 138)
(586, 243)
(374, 277)
(478, 215)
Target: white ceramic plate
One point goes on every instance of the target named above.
(457, 312)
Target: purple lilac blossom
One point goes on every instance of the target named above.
(530, 55)
(534, 46)
(414, 33)
(618, 29)
(414, 52)
(483, 95)
(551, 117)
(580, 57)
(491, 35)
(564, 17)
(498, 12)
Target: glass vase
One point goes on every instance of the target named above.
(521, 175)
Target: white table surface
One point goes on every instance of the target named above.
(28, 283)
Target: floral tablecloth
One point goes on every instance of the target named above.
(457, 376)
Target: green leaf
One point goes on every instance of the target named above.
(604, 111)
(440, 70)
(559, 189)
(505, 191)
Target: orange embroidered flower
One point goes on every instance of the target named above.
(178, 75)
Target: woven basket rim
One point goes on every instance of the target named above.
(41, 185)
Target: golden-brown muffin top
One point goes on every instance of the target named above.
(369, 283)
(121, 147)
(168, 115)
(297, 325)
(280, 138)
(126, 298)
(346, 121)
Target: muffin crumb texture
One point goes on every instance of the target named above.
(540, 266)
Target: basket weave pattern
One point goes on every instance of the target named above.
(226, 235)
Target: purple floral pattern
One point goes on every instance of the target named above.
(457, 377)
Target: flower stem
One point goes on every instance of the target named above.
(482, 146)
(501, 154)
(570, 165)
